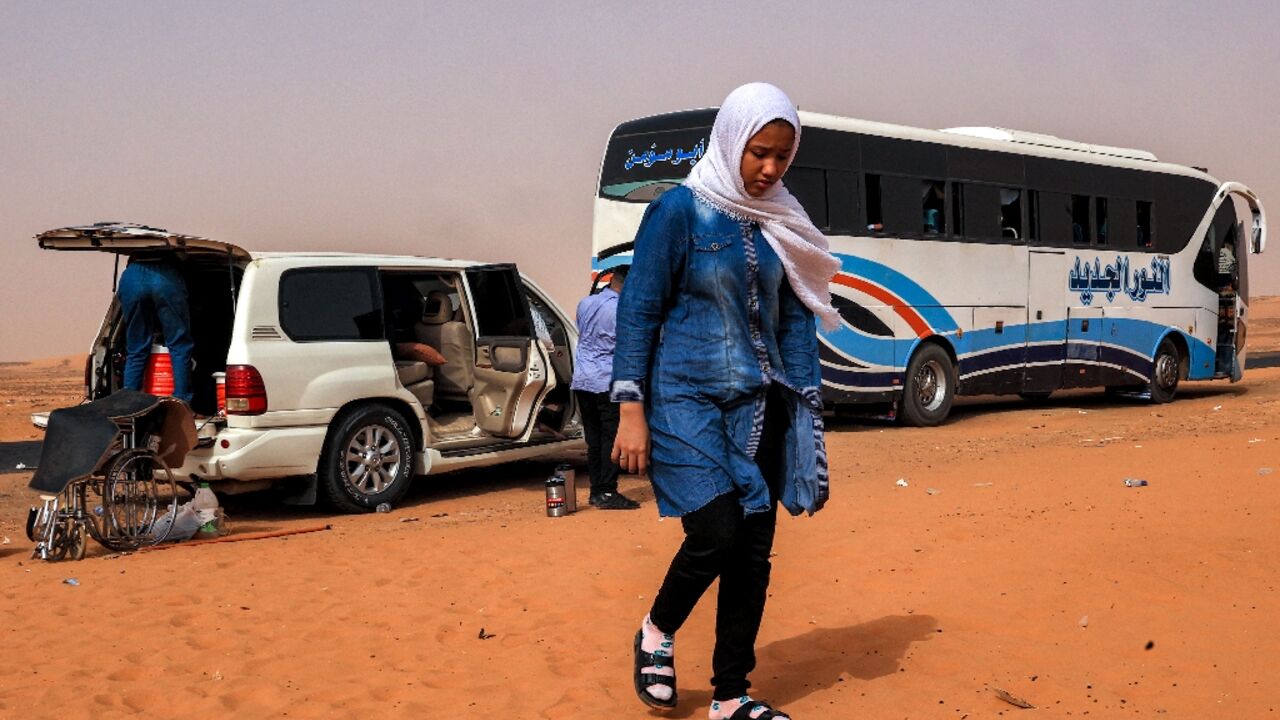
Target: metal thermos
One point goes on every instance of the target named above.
(570, 487)
(555, 497)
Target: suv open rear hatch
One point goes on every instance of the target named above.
(127, 238)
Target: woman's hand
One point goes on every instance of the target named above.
(631, 446)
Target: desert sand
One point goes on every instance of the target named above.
(1015, 558)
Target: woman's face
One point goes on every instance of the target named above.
(766, 156)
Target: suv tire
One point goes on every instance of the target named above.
(367, 459)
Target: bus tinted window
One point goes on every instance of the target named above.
(1011, 213)
(1100, 220)
(638, 166)
(842, 200)
(900, 203)
(933, 205)
(1145, 236)
(810, 188)
(1055, 219)
(875, 216)
(1033, 215)
(1080, 234)
(957, 209)
(981, 211)
(1121, 219)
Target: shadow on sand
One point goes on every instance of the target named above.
(1090, 399)
(816, 660)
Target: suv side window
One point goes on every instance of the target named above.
(330, 304)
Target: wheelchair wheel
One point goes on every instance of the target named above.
(137, 487)
(77, 539)
(59, 542)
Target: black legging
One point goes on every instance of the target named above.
(721, 542)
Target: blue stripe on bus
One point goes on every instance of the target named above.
(912, 294)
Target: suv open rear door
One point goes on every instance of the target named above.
(513, 370)
(128, 238)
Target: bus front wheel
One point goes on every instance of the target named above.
(929, 387)
(1166, 371)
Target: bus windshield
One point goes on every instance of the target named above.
(646, 157)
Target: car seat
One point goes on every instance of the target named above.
(453, 339)
(416, 377)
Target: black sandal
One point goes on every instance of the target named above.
(644, 679)
(744, 712)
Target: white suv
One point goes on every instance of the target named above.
(315, 399)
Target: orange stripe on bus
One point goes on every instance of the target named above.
(904, 311)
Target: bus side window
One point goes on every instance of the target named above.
(1056, 226)
(1100, 219)
(1123, 224)
(875, 215)
(957, 209)
(809, 187)
(1145, 236)
(1080, 220)
(933, 205)
(1011, 213)
(1033, 215)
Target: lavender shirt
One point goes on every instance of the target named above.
(597, 323)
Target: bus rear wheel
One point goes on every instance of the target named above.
(1166, 371)
(929, 388)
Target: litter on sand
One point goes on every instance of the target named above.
(71, 581)
(933, 491)
(1265, 471)
(1013, 700)
(902, 482)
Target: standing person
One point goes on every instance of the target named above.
(597, 323)
(152, 293)
(717, 376)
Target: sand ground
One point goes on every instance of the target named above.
(1015, 558)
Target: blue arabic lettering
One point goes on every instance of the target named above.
(676, 156)
(1114, 278)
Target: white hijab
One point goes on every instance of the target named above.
(717, 178)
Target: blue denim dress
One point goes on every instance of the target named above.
(707, 323)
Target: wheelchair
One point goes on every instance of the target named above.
(106, 473)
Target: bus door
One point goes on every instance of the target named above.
(1084, 346)
(1046, 318)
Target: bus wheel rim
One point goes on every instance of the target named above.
(1166, 371)
(931, 385)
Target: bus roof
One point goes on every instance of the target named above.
(979, 138)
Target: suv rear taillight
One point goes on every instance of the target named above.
(246, 394)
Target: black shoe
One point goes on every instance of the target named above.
(612, 501)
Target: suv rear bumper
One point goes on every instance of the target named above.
(256, 454)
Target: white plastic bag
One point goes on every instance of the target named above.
(182, 529)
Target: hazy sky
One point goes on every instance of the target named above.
(475, 129)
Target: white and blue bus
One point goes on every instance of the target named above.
(987, 261)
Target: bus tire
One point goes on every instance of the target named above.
(1166, 371)
(367, 459)
(929, 387)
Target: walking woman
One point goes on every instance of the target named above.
(716, 373)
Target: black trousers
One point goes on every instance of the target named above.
(600, 425)
(719, 541)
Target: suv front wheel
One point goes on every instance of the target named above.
(367, 460)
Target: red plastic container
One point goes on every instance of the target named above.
(220, 383)
(157, 379)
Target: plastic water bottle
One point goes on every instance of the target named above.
(205, 503)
